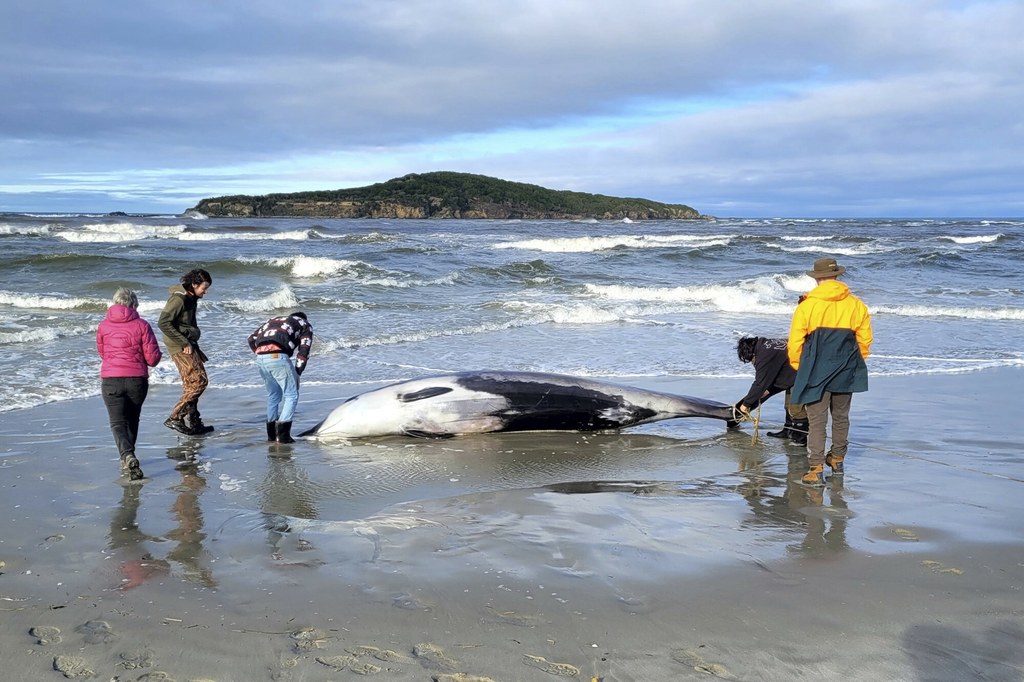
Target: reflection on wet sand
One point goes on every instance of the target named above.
(286, 493)
(189, 552)
(821, 513)
(138, 563)
(126, 539)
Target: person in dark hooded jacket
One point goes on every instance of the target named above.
(772, 374)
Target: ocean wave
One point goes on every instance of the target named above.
(415, 337)
(864, 249)
(304, 267)
(312, 267)
(291, 235)
(980, 239)
(20, 300)
(949, 311)
(120, 232)
(282, 299)
(759, 295)
(8, 230)
(591, 244)
(37, 335)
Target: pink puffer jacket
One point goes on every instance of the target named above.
(126, 343)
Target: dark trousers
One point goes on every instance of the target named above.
(123, 397)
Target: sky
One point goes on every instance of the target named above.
(775, 108)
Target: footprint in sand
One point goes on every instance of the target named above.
(72, 666)
(386, 655)
(140, 658)
(96, 632)
(46, 634)
(513, 618)
(460, 677)
(434, 656)
(905, 534)
(939, 568)
(339, 663)
(697, 662)
(308, 639)
(559, 669)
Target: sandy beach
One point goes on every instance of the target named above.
(672, 551)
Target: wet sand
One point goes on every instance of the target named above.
(673, 551)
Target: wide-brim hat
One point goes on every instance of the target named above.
(826, 267)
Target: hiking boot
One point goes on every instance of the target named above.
(836, 463)
(134, 469)
(798, 431)
(179, 425)
(284, 432)
(271, 432)
(815, 476)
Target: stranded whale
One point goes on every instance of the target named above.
(488, 402)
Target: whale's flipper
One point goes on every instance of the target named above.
(423, 394)
(416, 433)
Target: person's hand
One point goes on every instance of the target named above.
(187, 350)
(743, 408)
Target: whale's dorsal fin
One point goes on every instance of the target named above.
(423, 394)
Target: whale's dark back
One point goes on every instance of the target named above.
(538, 405)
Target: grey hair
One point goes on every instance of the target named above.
(126, 297)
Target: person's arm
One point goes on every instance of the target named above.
(864, 334)
(150, 348)
(797, 335)
(305, 345)
(168, 322)
(254, 337)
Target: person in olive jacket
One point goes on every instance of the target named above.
(829, 339)
(181, 337)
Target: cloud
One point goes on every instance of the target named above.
(794, 107)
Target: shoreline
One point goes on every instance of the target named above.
(672, 551)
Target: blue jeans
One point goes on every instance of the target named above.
(282, 382)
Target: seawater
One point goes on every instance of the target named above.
(391, 300)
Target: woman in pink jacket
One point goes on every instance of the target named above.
(128, 348)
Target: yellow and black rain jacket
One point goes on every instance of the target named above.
(829, 338)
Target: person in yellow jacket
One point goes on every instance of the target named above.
(829, 339)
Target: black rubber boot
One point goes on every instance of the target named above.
(784, 432)
(284, 432)
(271, 432)
(195, 422)
(798, 431)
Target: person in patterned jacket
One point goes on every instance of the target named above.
(275, 342)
